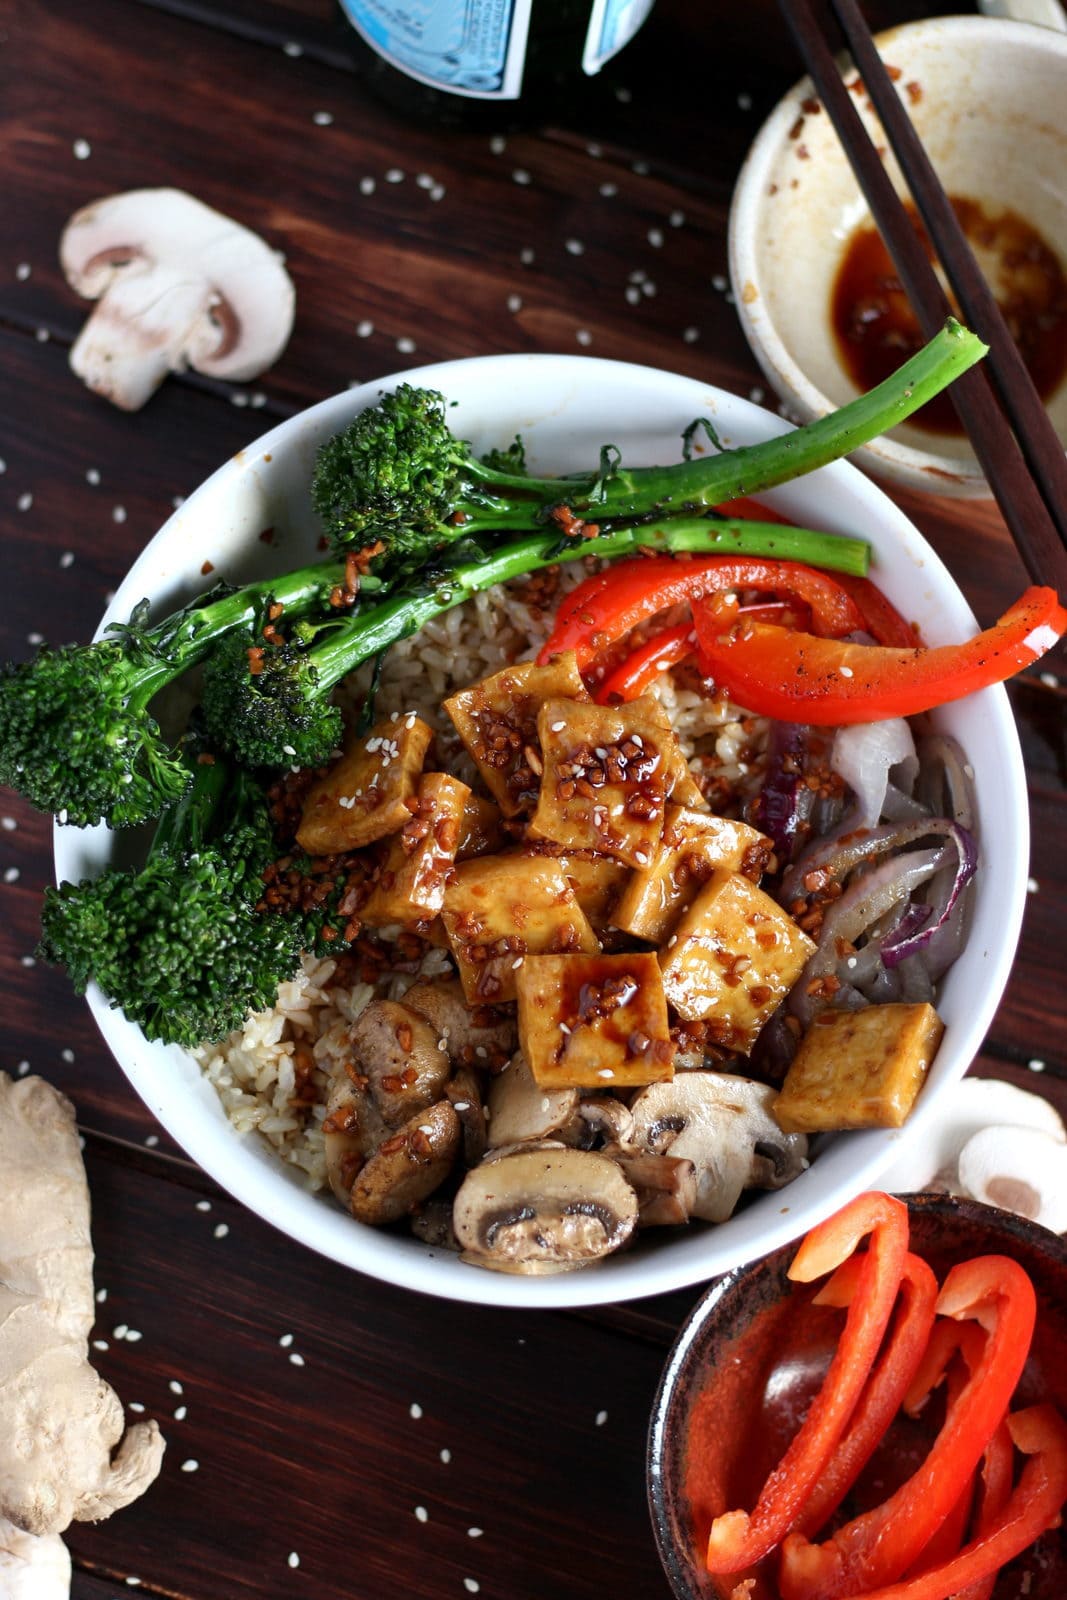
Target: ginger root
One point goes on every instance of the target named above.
(32, 1567)
(59, 1420)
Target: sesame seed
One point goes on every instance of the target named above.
(633, 294)
(296, 1359)
(82, 149)
(517, 963)
(406, 345)
(293, 49)
(175, 1387)
(655, 237)
(22, 271)
(24, 501)
(101, 1294)
(471, 1585)
(11, 875)
(719, 283)
(181, 1413)
(1031, 885)
(293, 1559)
(461, 1105)
(475, 1533)
(609, 190)
(558, 727)
(133, 1335)
(527, 256)
(545, 1103)
(38, 638)
(67, 559)
(498, 144)
(92, 476)
(134, 1405)
(606, 1072)
(520, 175)
(100, 1344)
(203, 1205)
(121, 1331)
(641, 858)
(27, 961)
(367, 185)
(677, 219)
(190, 1465)
(23, 1068)
(364, 329)
(575, 247)
(118, 514)
(744, 102)
(1036, 1065)
(601, 1418)
(1050, 680)
(67, 1055)
(415, 1410)
(514, 303)
(756, 394)
(395, 175)
(42, 335)
(151, 1140)
(221, 1230)
(421, 1514)
(286, 1340)
(322, 119)
(446, 1456)
(134, 1583)
(583, 336)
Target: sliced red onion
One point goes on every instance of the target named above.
(916, 928)
(946, 780)
(864, 754)
(785, 801)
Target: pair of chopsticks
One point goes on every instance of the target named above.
(1014, 440)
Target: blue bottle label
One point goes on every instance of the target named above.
(467, 47)
(477, 48)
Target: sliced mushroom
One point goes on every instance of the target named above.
(1018, 1169)
(432, 1223)
(478, 1036)
(519, 1109)
(178, 285)
(544, 1209)
(352, 1129)
(666, 1185)
(400, 1055)
(929, 1158)
(465, 1093)
(723, 1124)
(604, 1117)
(408, 1166)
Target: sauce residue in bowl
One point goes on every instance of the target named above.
(876, 329)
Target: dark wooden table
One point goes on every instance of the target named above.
(330, 1436)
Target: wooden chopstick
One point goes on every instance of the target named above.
(1026, 469)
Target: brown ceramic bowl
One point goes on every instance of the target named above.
(745, 1366)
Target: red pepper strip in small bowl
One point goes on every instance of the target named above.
(946, 1541)
(879, 1546)
(609, 603)
(994, 1492)
(1033, 1507)
(796, 677)
(885, 1388)
(739, 1539)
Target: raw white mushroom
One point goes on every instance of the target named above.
(179, 285)
(32, 1566)
(1018, 1169)
(930, 1160)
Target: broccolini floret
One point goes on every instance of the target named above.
(181, 946)
(77, 737)
(398, 485)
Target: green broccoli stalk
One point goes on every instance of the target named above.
(180, 945)
(398, 485)
(76, 734)
(283, 714)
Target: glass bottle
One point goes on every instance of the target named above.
(485, 63)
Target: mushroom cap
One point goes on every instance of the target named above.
(723, 1124)
(399, 1053)
(1018, 1169)
(179, 284)
(542, 1209)
(931, 1160)
(408, 1166)
(520, 1109)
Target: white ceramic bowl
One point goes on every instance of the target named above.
(987, 103)
(565, 407)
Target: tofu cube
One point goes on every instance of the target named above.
(597, 881)
(607, 773)
(497, 721)
(364, 795)
(732, 957)
(859, 1069)
(410, 882)
(693, 846)
(685, 790)
(498, 910)
(594, 1022)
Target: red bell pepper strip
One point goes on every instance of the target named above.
(642, 668)
(881, 619)
(946, 1338)
(739, 1539)
(879, 1546)
(885, 1388)
(796, 677)
(994, 1492)
(609, 603)
(945, 1541)
(1034, 1506)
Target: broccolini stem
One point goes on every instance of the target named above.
(709, 481)
(185, 825)
(347, 644)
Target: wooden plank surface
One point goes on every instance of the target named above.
(603, 230)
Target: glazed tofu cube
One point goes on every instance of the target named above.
(607, 773)
(500, 909)
(859, 1069)
(596, 1022)
(597, 881)
(497, 721)
(363, 797)
(732, 957)
(410, 884)
(693, 846)
(481, 833)
(685, 790)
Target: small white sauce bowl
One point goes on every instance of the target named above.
(565, 408)
(987, 98)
